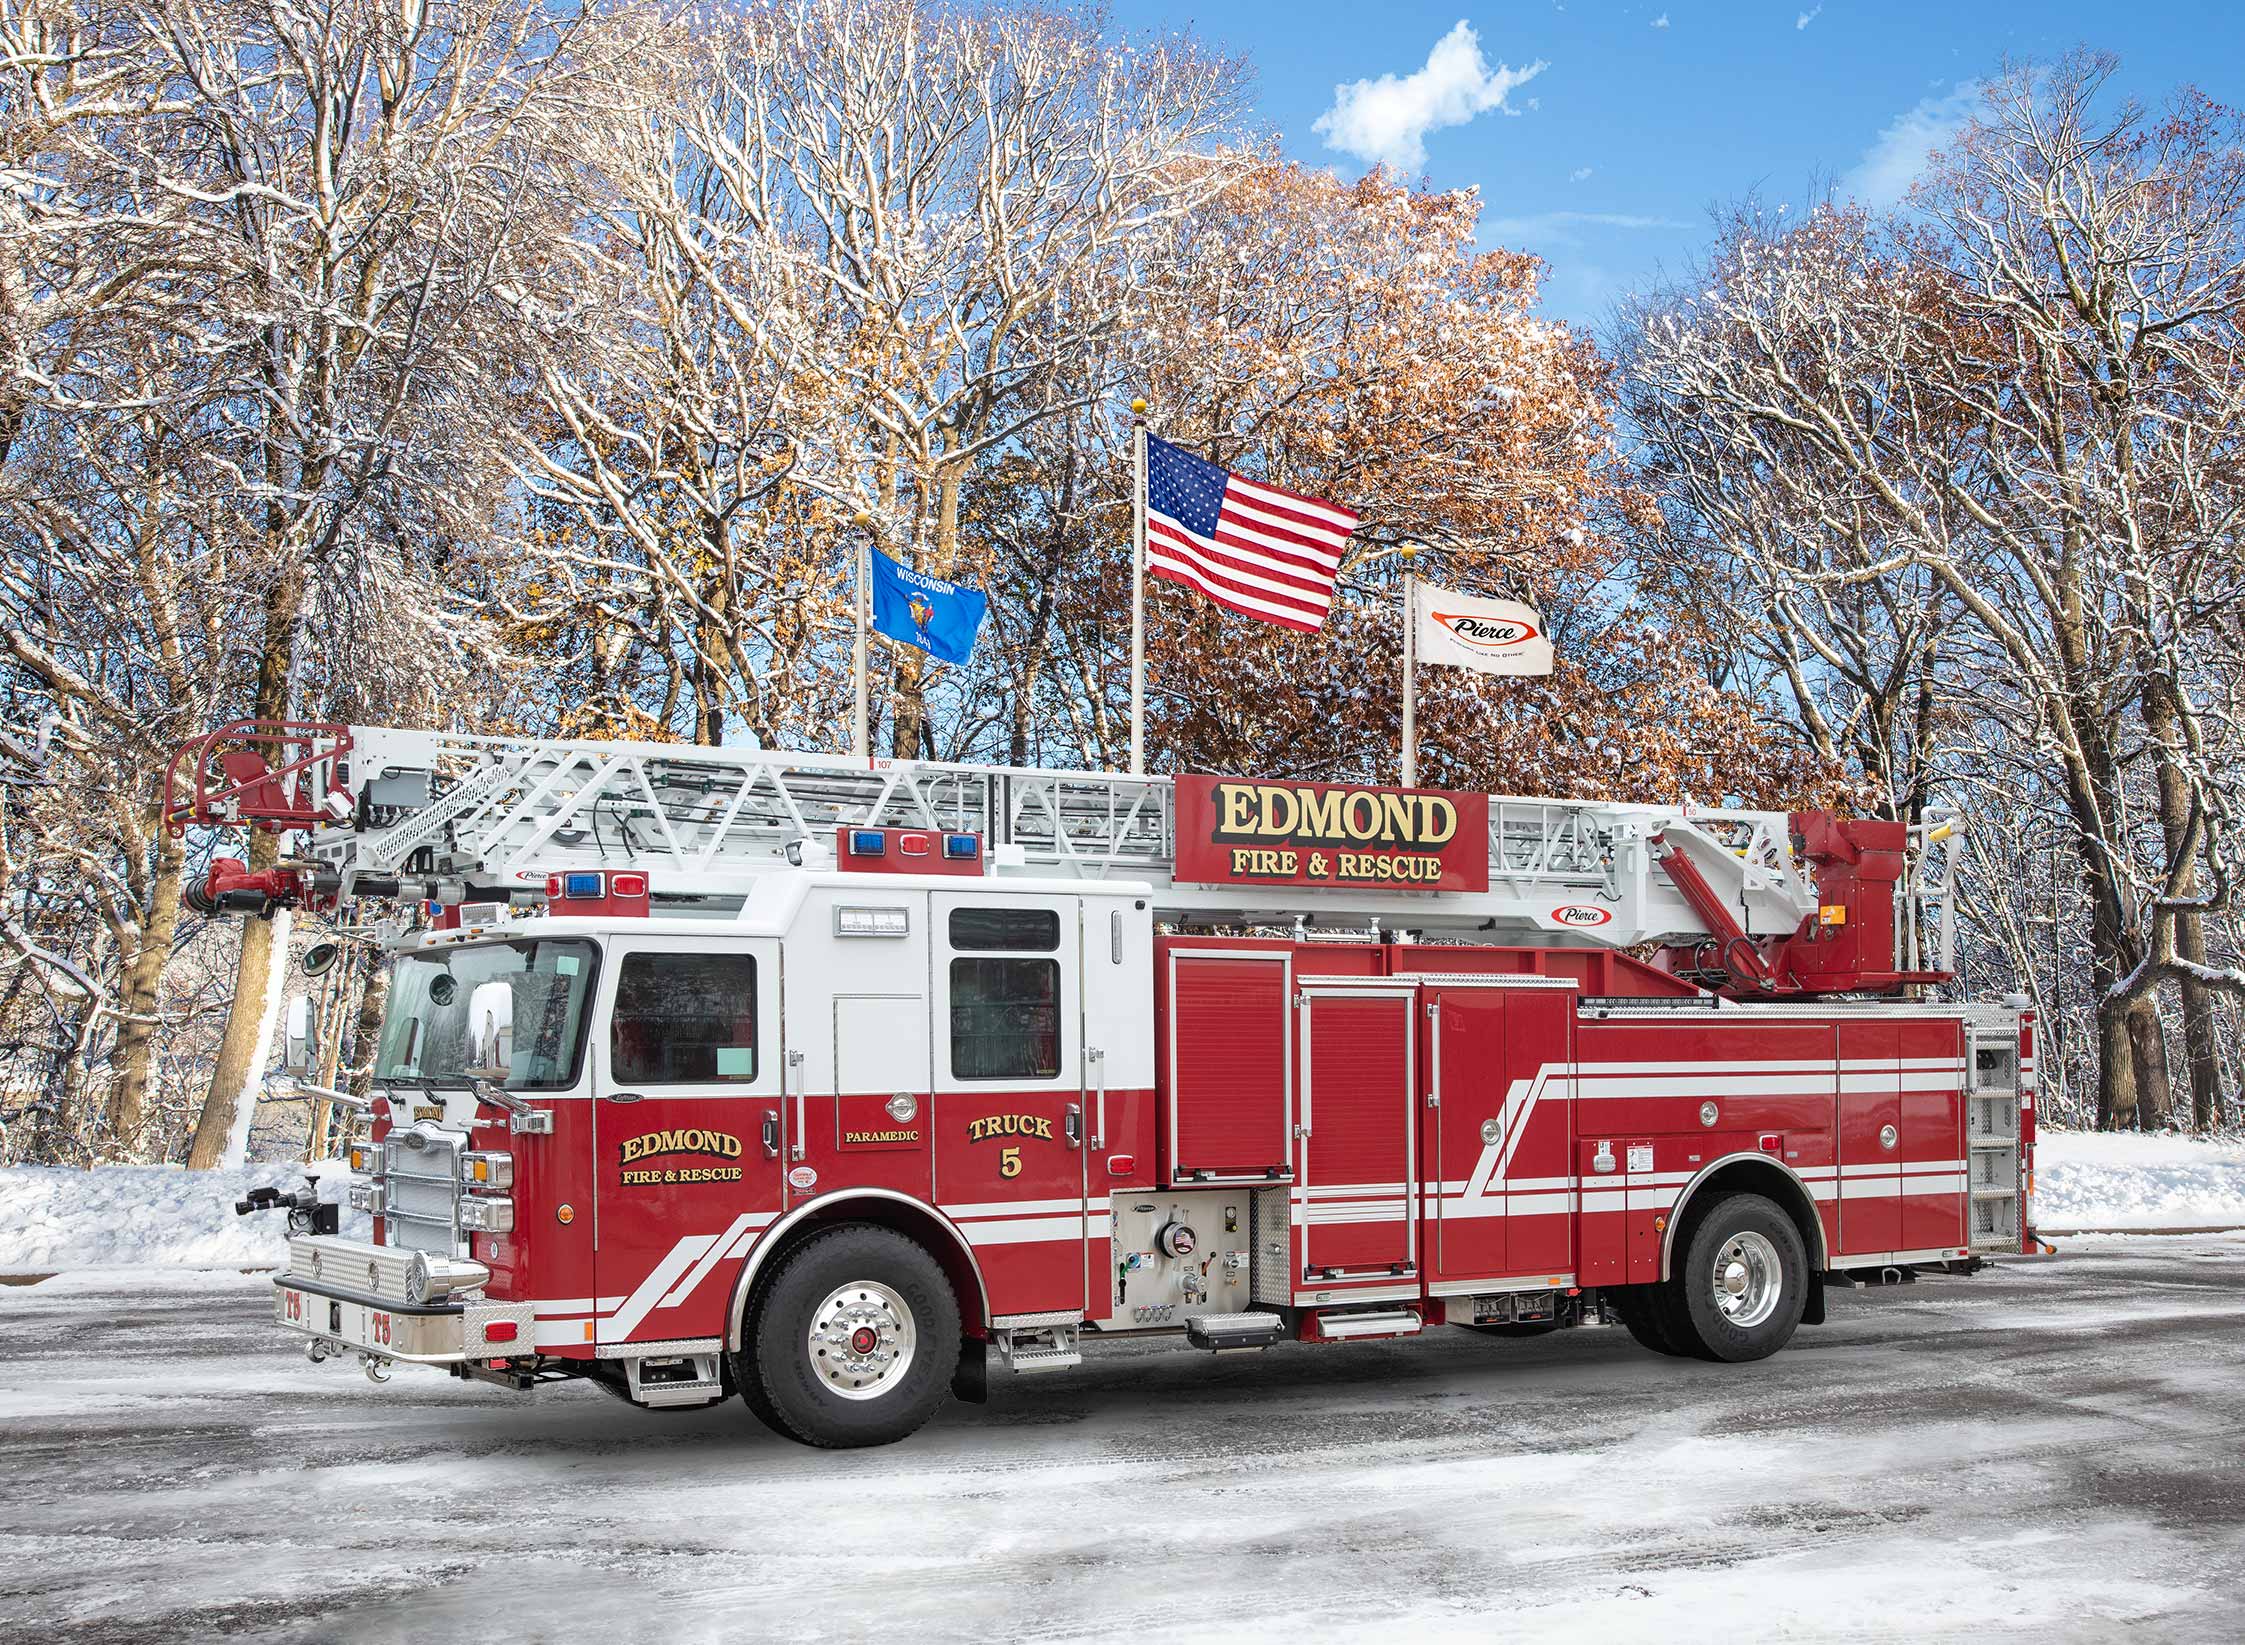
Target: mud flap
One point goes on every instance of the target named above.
(970, 1383)
(1812, 1312)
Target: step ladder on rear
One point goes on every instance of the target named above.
(1991, 1129)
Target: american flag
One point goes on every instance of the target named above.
(1249, 547)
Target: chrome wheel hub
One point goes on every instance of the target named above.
(1748, 1279)
(862, 1339)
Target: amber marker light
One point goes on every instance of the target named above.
(565, 1213)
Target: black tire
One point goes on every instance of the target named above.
(1636, 1304)
(1765, 1257)
(746, 1376)
(853, 1279)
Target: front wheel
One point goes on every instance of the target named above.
(855, 1340)
(1742, 1281)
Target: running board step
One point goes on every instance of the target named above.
(691, 1379)
(1381, 1322)
(1226, 1333)
(1044, 1348)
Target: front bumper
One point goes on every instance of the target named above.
(374, 1317)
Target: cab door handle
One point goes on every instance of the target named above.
(1074, 1125)
(771, 1133)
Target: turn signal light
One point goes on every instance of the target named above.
(499, 1330)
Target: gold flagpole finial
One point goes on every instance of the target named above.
(1138, 408)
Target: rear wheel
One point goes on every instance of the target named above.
(1741, 1283)
(854, 1340)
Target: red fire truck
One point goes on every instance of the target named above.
(829, 1080)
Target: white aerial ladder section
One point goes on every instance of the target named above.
(455, 817)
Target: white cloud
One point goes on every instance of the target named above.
(1890, 165)
(1561, 229)
(1581, 174)
(1808, 17)
(1661, 21)
(1386, 120)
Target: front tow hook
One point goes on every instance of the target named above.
(377, 1368)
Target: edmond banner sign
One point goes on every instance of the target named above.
(1232, 831)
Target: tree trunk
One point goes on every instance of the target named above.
(2201, 1044)
(133, 1059)
(2116, 1072)
(2147, 1044)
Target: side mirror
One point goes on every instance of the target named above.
(491, 1030)
(320, 958)
(301, 1035)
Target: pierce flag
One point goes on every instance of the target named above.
(939, 617)
(1491, 636)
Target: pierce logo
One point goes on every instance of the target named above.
(1488, 634)
(692, 1140)
(1581, 914)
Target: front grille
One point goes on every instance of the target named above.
(421, 1190)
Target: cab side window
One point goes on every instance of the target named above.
(1005, 1006)
(683, 1019)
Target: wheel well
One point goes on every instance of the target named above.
(937, 1236)
(1744, 1174)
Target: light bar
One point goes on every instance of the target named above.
(868, 842)
(957, 846)
(871, 922)
(582, 883)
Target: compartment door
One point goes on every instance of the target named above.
(1231, 1066)
(1465, 1110)
(1355, 1181)
(1870, 1138)
(1539, 1123)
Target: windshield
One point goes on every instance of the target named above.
(509, 1012)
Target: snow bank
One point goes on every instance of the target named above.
(139, 1216)
(2120, 1179)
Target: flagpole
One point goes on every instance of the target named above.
(860, 733)
(1410, 553)
(1138, 588)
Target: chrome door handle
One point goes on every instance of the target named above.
(771, 1133)
(1074, 1125)
(795, 1073)
(1098, 1060)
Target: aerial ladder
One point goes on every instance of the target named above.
(1746, 902)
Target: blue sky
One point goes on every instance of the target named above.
(1606, 159)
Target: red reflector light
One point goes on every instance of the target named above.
(912, 845)
(553, 885)
(1121, 1165)
(627, 885)
(499, 1330)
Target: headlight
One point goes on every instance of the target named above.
(432, 1278)
(487, 1170)
(487, 1214)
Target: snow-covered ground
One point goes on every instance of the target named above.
(2042, 1452)
(2092, 1179)
(138, 1216)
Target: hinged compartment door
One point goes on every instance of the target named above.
(1231, 1066)
(1356, 1182)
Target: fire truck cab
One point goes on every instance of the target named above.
(841, 1081)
